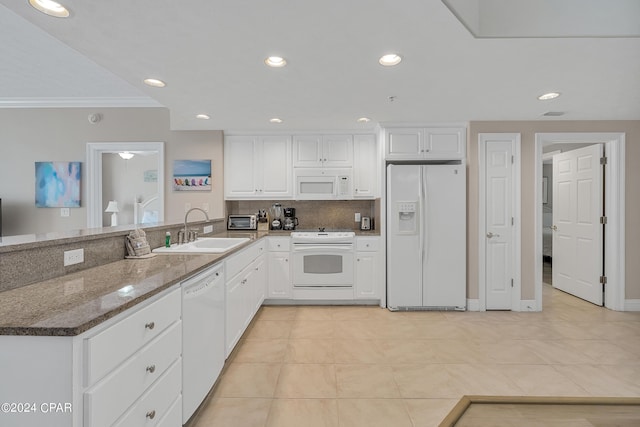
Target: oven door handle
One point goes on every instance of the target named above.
(322, 248)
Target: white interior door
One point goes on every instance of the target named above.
(578, 234)
(499, 224)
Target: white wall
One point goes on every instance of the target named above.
(61, 134)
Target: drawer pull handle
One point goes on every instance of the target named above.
(150, 325)
(151, 369)
(151, 414)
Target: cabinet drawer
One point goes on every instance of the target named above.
(108, 399)
(109, 348)
(365, 244)
(279, 244)
(239, 261)
(173, 417)
(157, 402)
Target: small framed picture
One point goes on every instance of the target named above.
(191, 175)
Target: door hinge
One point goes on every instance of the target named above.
(512, 283)
(603, 160)
(603, 280)
(512, 221)
(603, 220)
(512, 159)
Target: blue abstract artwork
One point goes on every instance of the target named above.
(58, 184)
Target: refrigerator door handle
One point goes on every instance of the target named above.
(425, 221)
(422, 221)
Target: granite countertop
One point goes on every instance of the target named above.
(70, 305)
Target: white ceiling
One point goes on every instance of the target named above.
(211, 55)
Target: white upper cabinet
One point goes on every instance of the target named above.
(428, 143)
(365, 166)
(257, 167)
(323, 151)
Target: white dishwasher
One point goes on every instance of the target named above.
(202, 336)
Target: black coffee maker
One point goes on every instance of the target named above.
(290, 221)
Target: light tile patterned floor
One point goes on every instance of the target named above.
(366, 366)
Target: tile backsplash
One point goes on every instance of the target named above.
(311, 214)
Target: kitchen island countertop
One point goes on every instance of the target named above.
(73, 303)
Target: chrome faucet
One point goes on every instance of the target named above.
(187, 236)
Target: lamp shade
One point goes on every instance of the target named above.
(112, 207)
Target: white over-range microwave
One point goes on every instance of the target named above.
(323, 183)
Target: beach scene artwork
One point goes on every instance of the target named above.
(192, 175)
(58, 184)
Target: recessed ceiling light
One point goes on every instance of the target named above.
(203, 116)
(548, 96)
(275, 61)
(390, 59)
(126, 155)
(154, 83)
(275, 120)
(364, 120)
(50, 8)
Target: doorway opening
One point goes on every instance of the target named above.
(614, 245)
(153, 199)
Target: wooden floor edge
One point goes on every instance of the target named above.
(463, 404)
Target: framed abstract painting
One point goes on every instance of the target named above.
(58, 184)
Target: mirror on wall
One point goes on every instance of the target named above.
(124, 183)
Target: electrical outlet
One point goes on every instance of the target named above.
(64, 212)
(75, 256)
(207, 229)
(357, 219)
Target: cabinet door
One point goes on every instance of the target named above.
(337, 151)
(366, 275)
(239, 167)
(307, 151)
(365, 166)
(236, 311)
(404, 144)
(445, 143)
(279, 281)
(258, 284)
(275, 163)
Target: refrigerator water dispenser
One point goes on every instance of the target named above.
(407, 217)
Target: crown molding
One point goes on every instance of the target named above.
(72, 102)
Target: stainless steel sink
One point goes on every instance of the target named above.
(206, 245)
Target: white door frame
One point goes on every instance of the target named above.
(514, 138)
(614, 143)
(94, 175)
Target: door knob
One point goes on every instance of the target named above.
(490, 235)
(554, 228)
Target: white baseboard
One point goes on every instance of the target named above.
(632, 305)
(473, 305)
(528, 305)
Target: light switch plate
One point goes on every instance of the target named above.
(357, 218)
(207, 229)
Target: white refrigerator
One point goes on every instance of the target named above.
(426, 237)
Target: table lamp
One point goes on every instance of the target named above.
(113, 209)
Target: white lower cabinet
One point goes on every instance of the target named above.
(279, 266)
(126, 371)
(245, 291)
(143, 351)
(156, 403)
(368, 271)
